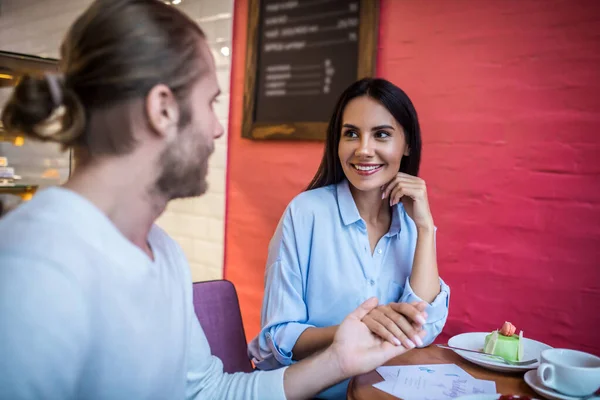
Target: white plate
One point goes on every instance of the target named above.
(532, 380)
(475, 341)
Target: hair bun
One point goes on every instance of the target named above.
(41, 107)
(53, 125)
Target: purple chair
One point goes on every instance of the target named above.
(218, 310)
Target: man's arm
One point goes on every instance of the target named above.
(206, 379)
(355, 350)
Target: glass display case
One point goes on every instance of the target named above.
(26, 165)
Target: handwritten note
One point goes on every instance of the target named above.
(431, 382)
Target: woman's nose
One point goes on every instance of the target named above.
(365, 148)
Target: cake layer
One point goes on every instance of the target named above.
(506, 346)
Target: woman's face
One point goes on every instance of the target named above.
(371, 145)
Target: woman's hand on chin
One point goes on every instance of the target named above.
(412, 191)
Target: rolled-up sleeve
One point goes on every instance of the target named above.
(437, 310)
(284, 314)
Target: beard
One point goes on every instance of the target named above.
(184, 169)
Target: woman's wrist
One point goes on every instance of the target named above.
(426, 228)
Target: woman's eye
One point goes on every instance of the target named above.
(350, 134)
(382, 134)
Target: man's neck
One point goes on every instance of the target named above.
(123, 190)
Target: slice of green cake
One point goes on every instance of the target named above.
(508, 347)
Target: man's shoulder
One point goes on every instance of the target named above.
(48, 229)
(39, 221)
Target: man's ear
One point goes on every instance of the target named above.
(162, 111)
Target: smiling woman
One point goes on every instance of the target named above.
(370, 154)
(395, 112)
(363, 228)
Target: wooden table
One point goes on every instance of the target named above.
(361, 387)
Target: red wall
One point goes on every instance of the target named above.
(509, 97)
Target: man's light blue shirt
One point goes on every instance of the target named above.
(320, 268)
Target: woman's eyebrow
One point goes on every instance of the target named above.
(378, 127)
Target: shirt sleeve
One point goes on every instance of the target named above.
(284, 314)
(437, 310)
(39, 358)
(206, 379)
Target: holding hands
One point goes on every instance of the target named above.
(398, 323)
(367, 338)
(356, 349)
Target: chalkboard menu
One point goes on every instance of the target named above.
(301, 55)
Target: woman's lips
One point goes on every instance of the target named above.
(367, 169)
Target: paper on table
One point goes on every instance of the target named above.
(431, 382)
(451, 370)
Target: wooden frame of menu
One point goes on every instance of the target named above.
(301, 130)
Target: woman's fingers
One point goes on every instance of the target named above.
(386, 327)
(422, 306)
(391, 324)
(380, 330)
(399, 326)
(389, 187)
(405, 179)
(412, 321)
(410, 311)
(405, 326)
(401, 189)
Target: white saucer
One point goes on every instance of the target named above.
(532, 380)
(475, 341)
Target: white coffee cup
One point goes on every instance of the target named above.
(571, 372)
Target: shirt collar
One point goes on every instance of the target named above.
(396, 224)
(346, 204)
(350, 214)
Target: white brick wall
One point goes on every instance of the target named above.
(37, 27)
(199, 224)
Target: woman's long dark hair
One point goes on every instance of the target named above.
(396, 102)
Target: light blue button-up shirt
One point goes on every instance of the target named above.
(320, 268)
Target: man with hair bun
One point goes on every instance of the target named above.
(95, 299)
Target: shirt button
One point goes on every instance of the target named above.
(372, 282)
(379, 251)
